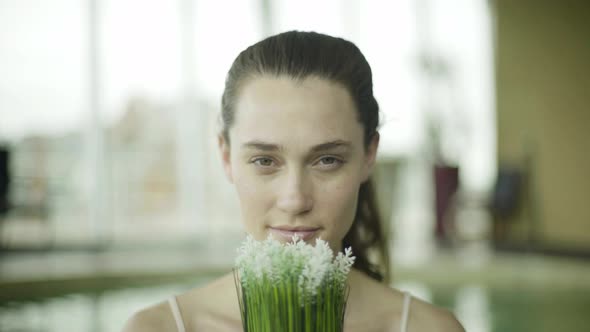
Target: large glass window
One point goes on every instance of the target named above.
(110, 108)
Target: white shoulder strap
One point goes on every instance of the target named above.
(176, 314)
(405, 312)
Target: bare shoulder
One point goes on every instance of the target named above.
(428, 317)
(386, 305)
(218, 294)
(210, 307)
(157, 317)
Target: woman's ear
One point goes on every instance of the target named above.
(371, 156)
(224, 151)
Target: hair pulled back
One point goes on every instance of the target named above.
(300, 55)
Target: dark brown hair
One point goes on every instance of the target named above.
(300, 55)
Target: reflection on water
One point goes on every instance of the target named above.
(97, 312)
(480, 309)
(472, 308)
(417, 289)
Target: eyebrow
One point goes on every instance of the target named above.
(269, 147)
(331, 145)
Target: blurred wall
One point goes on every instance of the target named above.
(543, 102)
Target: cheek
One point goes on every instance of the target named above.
(340, 201)
(245, 184)
(255, 199)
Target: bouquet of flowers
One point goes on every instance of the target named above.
(291, 287)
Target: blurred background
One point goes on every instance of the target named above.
(112, 196)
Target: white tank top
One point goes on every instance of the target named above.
(403, 323)
(176, 314)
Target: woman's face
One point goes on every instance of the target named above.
(297, 158)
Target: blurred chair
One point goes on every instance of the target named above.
(446, 184)
(506, 200)
(4, 186)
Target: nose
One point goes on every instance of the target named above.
(295, 195)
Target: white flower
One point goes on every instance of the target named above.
(342, 264)
(317, 265)
(311, 267)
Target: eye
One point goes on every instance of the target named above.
(329, 162)
(263, 162)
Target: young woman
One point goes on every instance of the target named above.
(299, 142)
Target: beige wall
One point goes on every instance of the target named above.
(543, 97)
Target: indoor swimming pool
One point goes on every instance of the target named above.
(479, 307)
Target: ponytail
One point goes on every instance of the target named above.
(366, 237)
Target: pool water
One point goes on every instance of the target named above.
(479, 308)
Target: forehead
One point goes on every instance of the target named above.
(281, 110)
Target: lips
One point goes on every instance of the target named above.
(287, 233)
